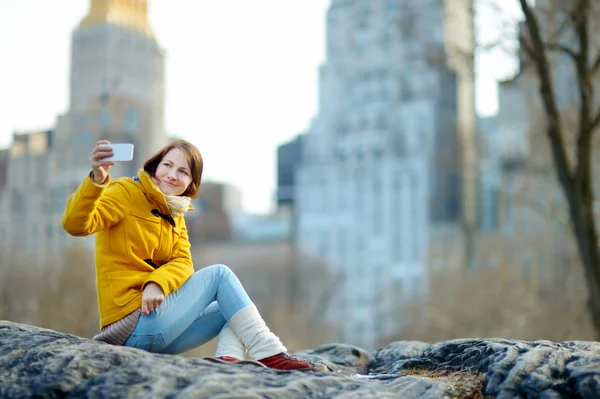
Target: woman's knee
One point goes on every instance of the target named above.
(213, 272)
(221, 269)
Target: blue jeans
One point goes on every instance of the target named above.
(192, 315)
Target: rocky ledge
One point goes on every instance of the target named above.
(36, 362)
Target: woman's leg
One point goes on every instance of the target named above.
(205, 327)
(210, 323)
(157, 330)
(180, 309)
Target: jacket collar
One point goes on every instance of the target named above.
(153, 193)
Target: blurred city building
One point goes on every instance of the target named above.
(211, 219)
(3, 167)
(116, 93)
(503, 146)
(261, 228)
(392, 149)
(219, 220)
(489, 175)
(289, 157)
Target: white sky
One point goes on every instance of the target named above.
(241, 77)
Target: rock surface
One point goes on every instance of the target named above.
(36, 362)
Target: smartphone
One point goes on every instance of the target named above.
(122, 152)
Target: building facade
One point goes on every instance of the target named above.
(391, 150)
(214, 206)
(116, 93)
(289, 157)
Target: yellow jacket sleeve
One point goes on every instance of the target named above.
(95, 207)
(171, 275)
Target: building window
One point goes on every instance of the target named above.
(130, 124)
(377, 211)
(104, 120)
(49, 228)
(359, 198)
(342, 246)
(379, 121)
(397, 219)
(392, 6)
(386, 41)
(415, 226)
(81, 121)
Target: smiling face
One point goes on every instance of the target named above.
(173, 173)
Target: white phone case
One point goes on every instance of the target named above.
(122, 152)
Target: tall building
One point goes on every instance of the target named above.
(489, 176)
(116, 93)
(117, 82)
(391, 149)
(289, 157)
(3, 167)
(503, 146)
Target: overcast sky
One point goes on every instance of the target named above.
(241, 77)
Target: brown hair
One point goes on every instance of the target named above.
(193, 157)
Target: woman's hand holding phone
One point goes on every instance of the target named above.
(101, 167)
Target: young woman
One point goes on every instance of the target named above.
(149, 296)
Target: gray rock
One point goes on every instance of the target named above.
(512, 368)
(36, 362)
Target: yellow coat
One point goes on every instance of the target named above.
(133, 246)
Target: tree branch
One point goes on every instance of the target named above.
(596, 121)
(564, 27)
(555, 132)
(556, 37)
(582, 177)
(583, 213)
(564, 49)
(596, 65)
(528, 48)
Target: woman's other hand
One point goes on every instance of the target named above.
(152, 297)
(101, 168)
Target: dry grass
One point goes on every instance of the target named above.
(57, 293)
(499, 302)
(463, 384)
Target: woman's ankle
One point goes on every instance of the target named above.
(254, 334)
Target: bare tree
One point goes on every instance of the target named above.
(568, 27)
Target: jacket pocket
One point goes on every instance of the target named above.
(147, 217)
(125, 286)
(144, 231)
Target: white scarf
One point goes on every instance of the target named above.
(178, 205)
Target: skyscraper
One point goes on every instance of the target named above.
(391, 150)
(117, 81)
(116, 93)
(289, 156)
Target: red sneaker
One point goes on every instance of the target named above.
(232, 360)
(285, 361)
